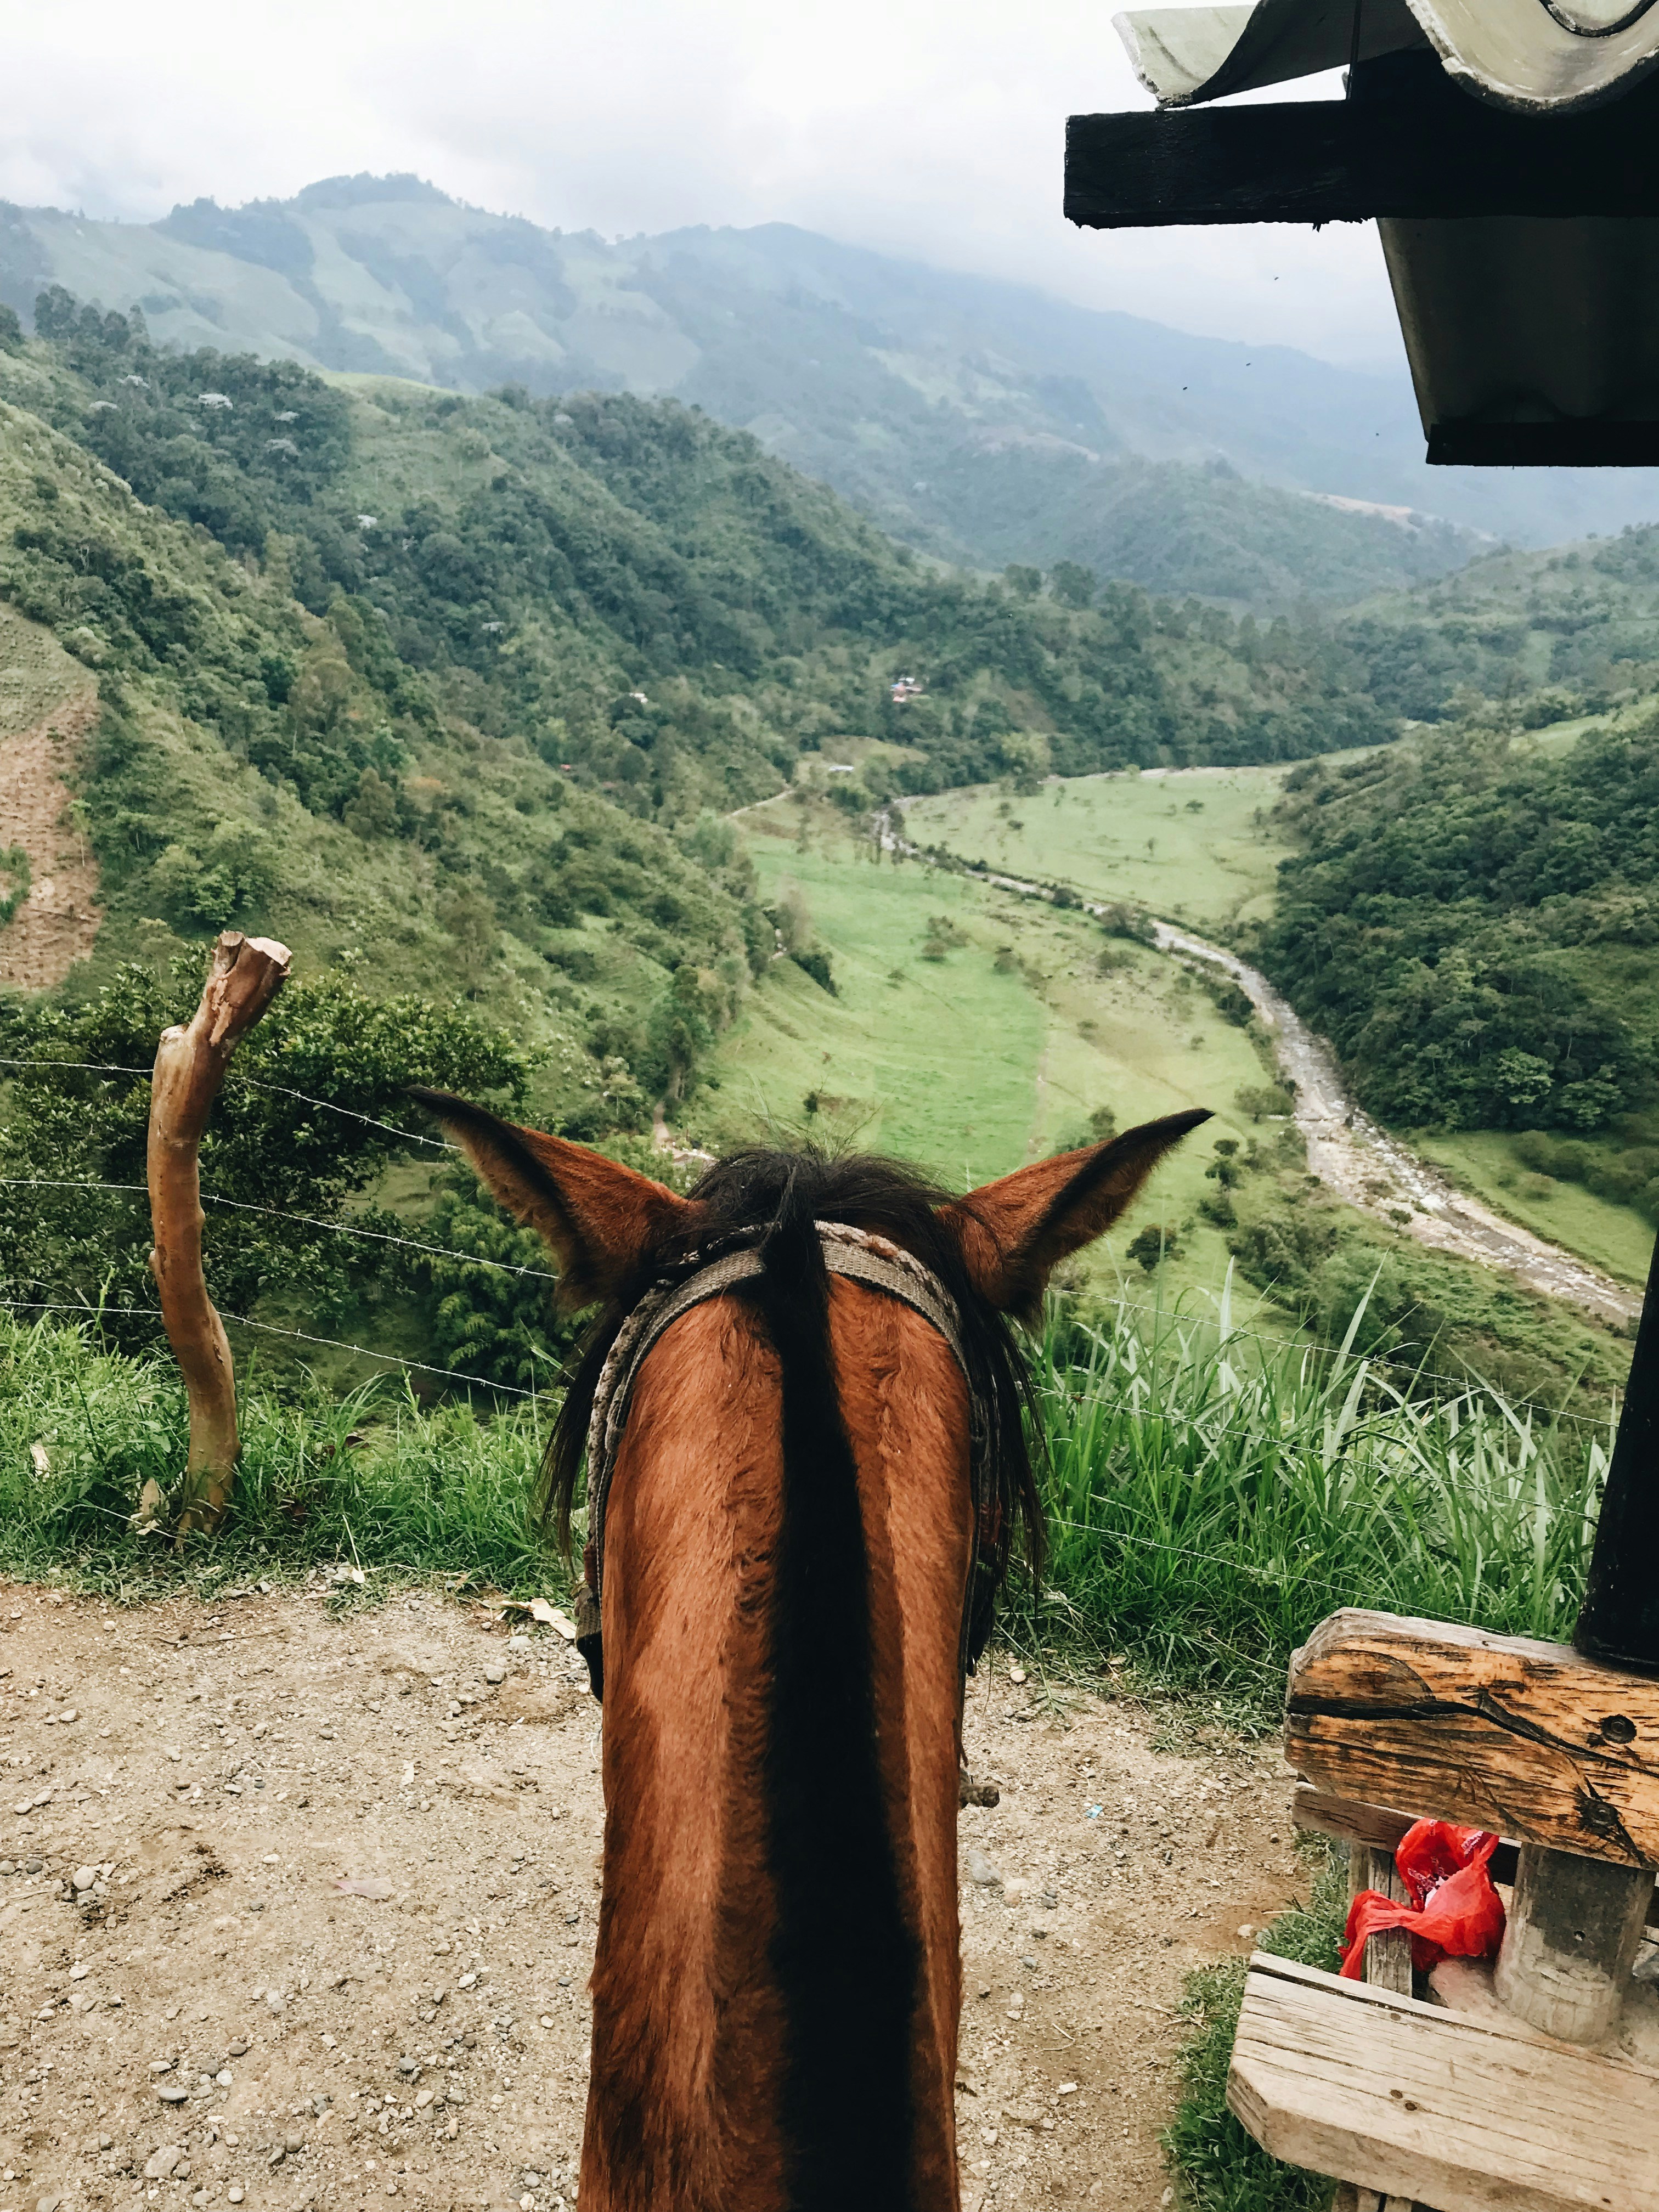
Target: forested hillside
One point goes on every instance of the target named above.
(536, 566)
(1472, 920)
(979, 422)
(1551, 635)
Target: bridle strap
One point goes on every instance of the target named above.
(854, 1253)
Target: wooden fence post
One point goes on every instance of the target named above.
(191, 1061)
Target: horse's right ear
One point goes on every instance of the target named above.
(600, 1218)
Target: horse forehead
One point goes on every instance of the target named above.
(721, 1348)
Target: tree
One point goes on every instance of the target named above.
(1073, 585)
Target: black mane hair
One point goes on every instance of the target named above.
(751, 1190)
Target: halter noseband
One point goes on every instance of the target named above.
(854, 1253)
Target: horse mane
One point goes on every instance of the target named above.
(753, 1189)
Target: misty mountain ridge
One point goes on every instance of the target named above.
(977, 420)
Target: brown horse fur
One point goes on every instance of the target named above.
(776, 1984)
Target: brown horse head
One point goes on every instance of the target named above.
(791, 1530)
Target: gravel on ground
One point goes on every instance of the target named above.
(297, 1910)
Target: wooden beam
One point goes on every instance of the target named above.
(1595, 442)
(1412, 2101)
(1530, 1740)
(1408, 143)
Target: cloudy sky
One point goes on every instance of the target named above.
(931, 127)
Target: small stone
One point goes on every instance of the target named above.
(1016, 1674)
(495, 1672)
(79, 1971)
(235, 2193)
(173, 2093)
(161, 2165)
(238, 2048)
(1246, 1932)
(980, 1871)
(224, 2077)
(85, 1876)
(1066, 2089)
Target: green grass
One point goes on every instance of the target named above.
(1194, 845)
(969, 1068)
(1220, 2166)
(371, 1479)
(1213, 1493)
(1615, 1238)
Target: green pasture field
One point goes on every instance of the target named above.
(1193, 844)
(1611, 1236)
(971, 1067)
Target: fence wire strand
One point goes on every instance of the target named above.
(1465, 1385)
(266, 1328)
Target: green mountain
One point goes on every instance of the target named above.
(978, 422)
(1470, 918)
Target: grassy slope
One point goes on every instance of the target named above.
(970, 1071)
(36, 674)
(1194, 845)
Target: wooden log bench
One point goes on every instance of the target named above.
(1422, 2105)
(1535, 2087)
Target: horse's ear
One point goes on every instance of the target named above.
(1015, 1233)
(600, 1218)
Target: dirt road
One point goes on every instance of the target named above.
(218, 2021)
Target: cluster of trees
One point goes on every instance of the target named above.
(281, 1169)
(1472, 924)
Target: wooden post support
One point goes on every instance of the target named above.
(1570, 1942)
(246, 975)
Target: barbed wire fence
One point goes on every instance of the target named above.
(1459, 1385)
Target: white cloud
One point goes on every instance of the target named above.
(934, 130)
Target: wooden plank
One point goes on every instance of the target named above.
(1419, 147)
(1530, 1740)
(1388, 1955)
(1412, 2101)
(1379, 1828)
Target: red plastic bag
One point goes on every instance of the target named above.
(1454, 1911)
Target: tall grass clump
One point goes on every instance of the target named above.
(371, 1480)
(1213, 1492)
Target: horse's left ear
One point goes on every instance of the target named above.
(1015, 1233)
(600, 1218)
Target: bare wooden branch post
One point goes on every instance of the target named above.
(247, 974)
